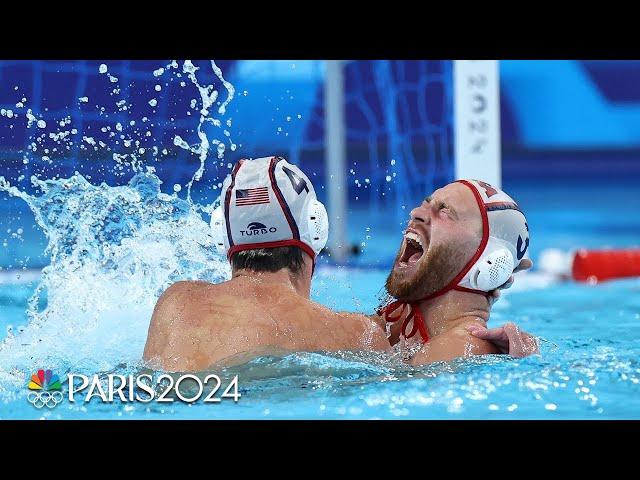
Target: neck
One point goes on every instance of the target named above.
(447, 311)
(282, 277)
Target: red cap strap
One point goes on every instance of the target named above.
(414, 314)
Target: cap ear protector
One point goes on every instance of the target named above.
(317, 224)
(493, 268)
(267, 203)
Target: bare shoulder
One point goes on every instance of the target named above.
(181, 294)
(454, 343)
(174, 305)
(174, 302)
(184, 287)
(474, 345)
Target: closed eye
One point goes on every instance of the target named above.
(443, 206)
(440, 205)
(447, 210)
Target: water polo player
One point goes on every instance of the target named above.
(461, 243)
(271, 227)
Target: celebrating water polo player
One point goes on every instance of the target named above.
(462, 242)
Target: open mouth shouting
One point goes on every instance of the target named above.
(414, 246)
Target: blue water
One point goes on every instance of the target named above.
(588, 368)
(590, 334)
(83, 306)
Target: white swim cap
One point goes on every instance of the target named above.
(268, 203)
(505, 239)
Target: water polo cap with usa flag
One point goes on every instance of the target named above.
(267, 203)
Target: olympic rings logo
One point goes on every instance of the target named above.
(42, 399)
(44, 386)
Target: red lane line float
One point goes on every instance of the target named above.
(587, 265)
(599, 265)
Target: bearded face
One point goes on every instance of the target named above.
(443, 234)
(416, 275)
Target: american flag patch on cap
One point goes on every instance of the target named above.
(252, 196)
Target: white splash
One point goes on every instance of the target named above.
(113, 249)
(208, 96)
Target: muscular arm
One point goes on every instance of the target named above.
(369, 331)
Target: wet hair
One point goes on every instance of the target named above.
(269, 259)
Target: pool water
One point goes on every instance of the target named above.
(92, 316)
(588, 368)
(83, 305)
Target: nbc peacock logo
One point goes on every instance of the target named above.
(44, 389)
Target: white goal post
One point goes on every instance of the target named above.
(336, 159)
(477, 152)
(476, 120)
